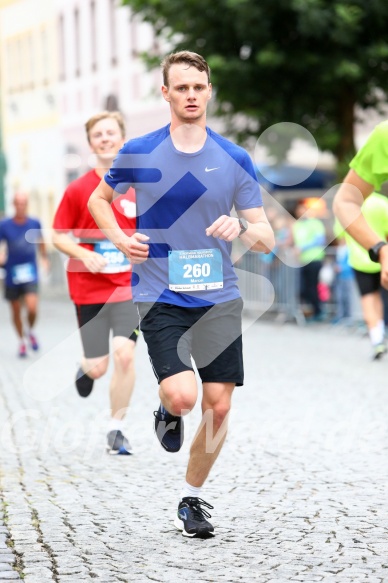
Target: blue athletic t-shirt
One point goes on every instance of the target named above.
(179, 195)
(20, 267)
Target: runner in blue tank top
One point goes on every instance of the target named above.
(188, 179)
(22, 236)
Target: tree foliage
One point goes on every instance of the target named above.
(304, 61)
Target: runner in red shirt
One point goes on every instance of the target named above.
(99, 278)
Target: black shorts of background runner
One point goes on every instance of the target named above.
(211, 335)
(14, 292)
(95, 322)
(368, 283)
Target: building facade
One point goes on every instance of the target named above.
(29, 99)
(62, 61)
(100, 67)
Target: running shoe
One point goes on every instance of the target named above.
(83, 383)
(118, 444)
(33, 341)
(191, 518)
(378, 351)
(169, 430)
(22, 351)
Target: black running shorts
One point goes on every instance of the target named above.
(14, 292)
(211, 335)
(95, 322)
(368, 283)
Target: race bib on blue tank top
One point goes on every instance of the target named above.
(23, 273)
(194, 270)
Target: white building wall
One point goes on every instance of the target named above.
(119, 72)
(32, 142)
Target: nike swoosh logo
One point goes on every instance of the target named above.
(211, 169)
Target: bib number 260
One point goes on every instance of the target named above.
(196, 270)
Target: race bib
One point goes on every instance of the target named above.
(23, 273)
(117, 261)
(195, 270)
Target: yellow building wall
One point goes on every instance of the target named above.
(30, 113)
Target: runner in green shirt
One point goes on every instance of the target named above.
(368, 171)
(366, 220)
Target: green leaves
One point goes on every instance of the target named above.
(302, 61)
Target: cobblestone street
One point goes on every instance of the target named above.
(299, 491)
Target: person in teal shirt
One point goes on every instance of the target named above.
(309, 239)
(344, 276)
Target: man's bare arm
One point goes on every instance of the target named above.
(347, 207)
(258, 237)
(99, 205)
(94, 262)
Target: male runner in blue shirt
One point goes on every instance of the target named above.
(187, 180)
(23, 238)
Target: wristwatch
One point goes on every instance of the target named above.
(374, 251)
(243, 226)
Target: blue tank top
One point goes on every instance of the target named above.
(21, 240)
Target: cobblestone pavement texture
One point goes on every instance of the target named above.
(300, 489)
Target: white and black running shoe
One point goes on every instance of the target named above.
(191, 518)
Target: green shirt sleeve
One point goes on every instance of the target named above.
(338, 229)
(371, 161)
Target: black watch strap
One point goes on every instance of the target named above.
(374, 251)
(243, 226)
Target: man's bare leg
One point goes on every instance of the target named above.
(211, 435)
(16, 313)
(120, 392)
(123, 378)
(192, 513)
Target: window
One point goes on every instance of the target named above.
(19, 62)
(112, 22)
(133, 40)
(31, 61)
(11, 70)
(77, 42)
(62, 52)
(44, 55)
(112, 103)
(93, 37)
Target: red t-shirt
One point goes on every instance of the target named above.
(73, 216)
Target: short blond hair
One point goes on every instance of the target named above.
(186, 57)
(104, 115)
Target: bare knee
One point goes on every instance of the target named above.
(95, 370)
(31, 317)
(220, 412)
(124, 359)
(216, 411)
(178, 401)
(216, 402)
(178, 393)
